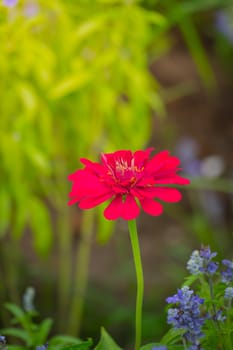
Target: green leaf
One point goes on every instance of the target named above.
(37, 158)
(85, 345)
(28, 96)
(20, 216)
(17, 312)
(64, 339)
(172, 336)
(40, 223)
(59, 341)
(70, 84)
(106, 342)
(149, 346)
(190, 7)
(43, 331)
(198, 52)
(18, 333)
(190, 280)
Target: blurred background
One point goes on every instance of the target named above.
(80, 77)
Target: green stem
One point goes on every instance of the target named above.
(11, 262)
(64, 277)
(229, 326)
(140, 281)
(184, 343)
(81, 274)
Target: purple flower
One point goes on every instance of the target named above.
(219, 316)
(228, 293)
(195, 263)
(28, 299)
(2, 339)
(201, 261)
(205, 253)
(209, 267)
(159, 347)
(224, 25)
(187, 150)
(195, 347)
(42, 347)
(10, 3)
(227, 274)
(186, 314)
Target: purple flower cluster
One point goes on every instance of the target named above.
(42, 347)
(228, 293)
(209, 266)
(186, 315)
(159, 347)
(195, 263)
(224, 25)
(227, 274)
(2, 339)
(201, 261)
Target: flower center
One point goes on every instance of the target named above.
(126, 174)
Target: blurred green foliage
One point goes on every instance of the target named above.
(74, 82)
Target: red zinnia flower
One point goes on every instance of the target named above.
(131, 179)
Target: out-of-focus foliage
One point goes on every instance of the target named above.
(31, 334)
(223, 26)
(74, 81)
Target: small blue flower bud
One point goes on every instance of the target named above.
(228, 293)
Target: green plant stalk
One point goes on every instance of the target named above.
(216, 322)
(184, 343)
(64, 277)
(210, 282)
(199, 55)
(229, 326)
(10, 271)
(140, 281)
(81, 274)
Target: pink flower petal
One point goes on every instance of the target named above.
(127, 209)
(172, 162)
(151, 207)
(140, 157)
(114, 209)
(92, 202)
(167, 194)
(75, 175)
(157, 162)
(173, 180)
(97, 168)
(130, 208)
(87, 184)
(73, 201)
(109, 159)
(144, 192)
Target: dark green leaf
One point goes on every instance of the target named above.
(172, 336)
(43, 331)
(106, 342)
(18, 333)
